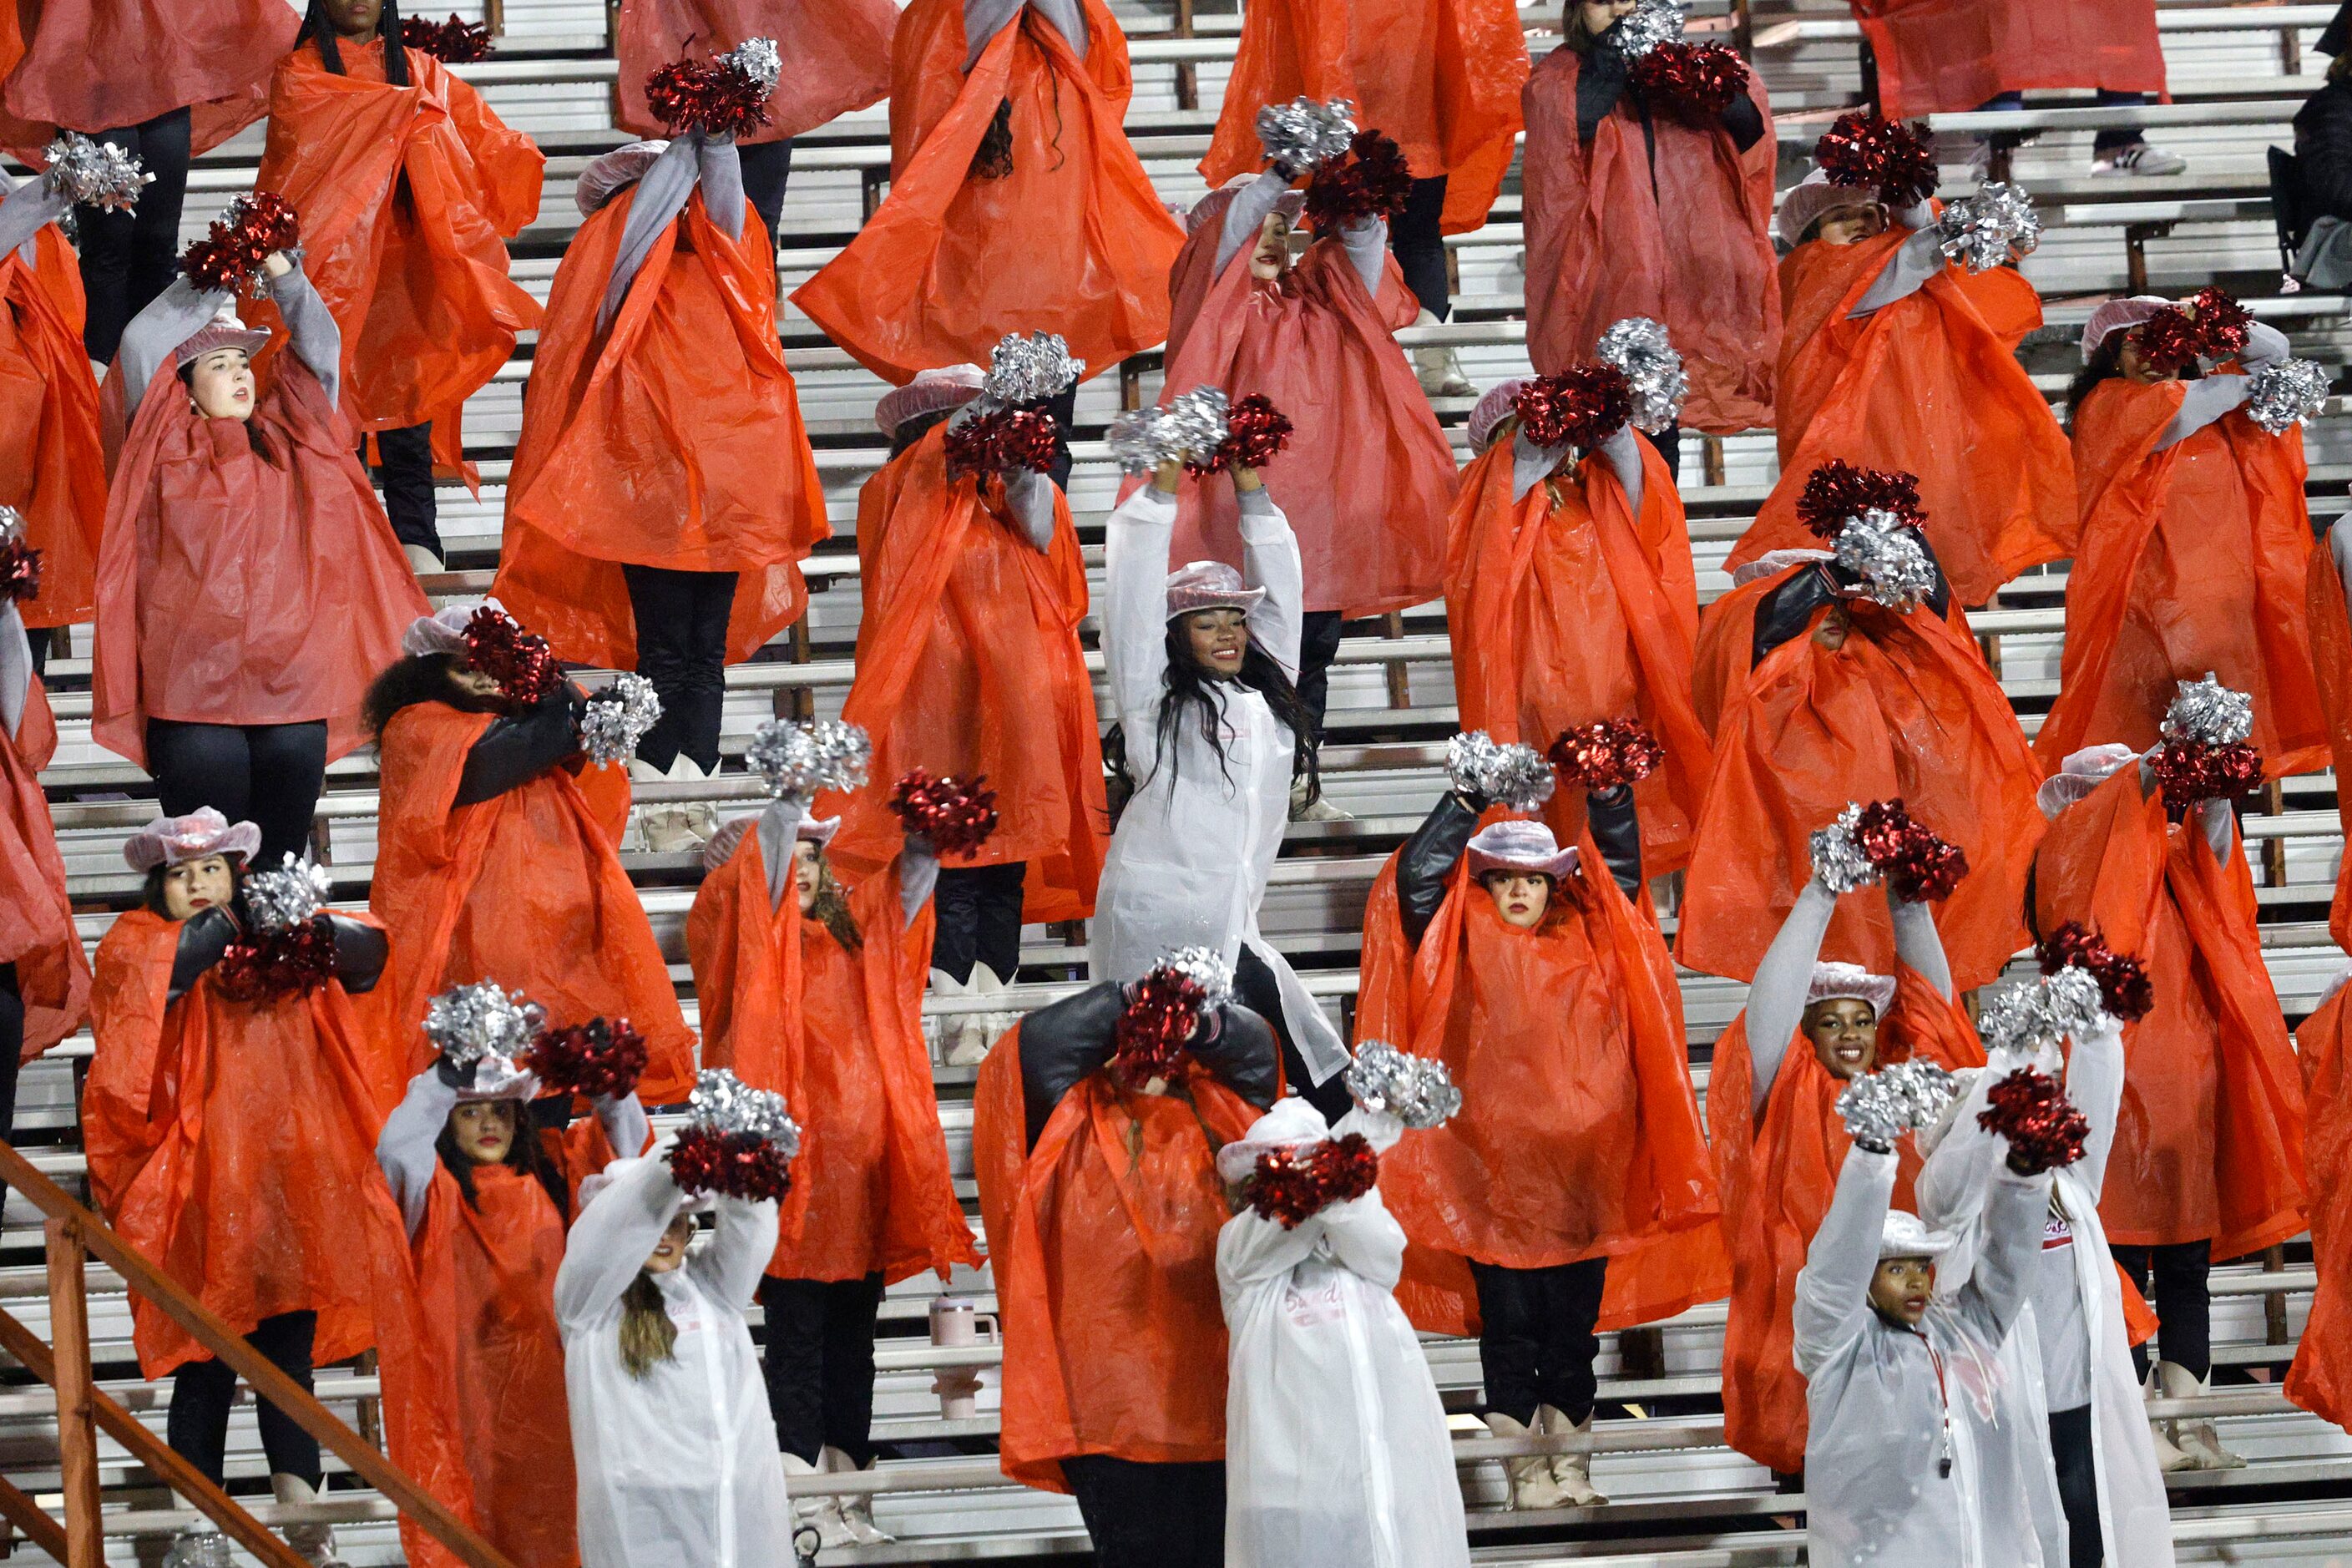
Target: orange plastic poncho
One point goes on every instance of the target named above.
(835, 56)
(1441, 78)
(1103, 1241)
(523, 889)
(52, 463)
(674, 439)
(1368, 475)
(1074, 240)
(1905, 708)
(1675, 224)
(36, 919)
(2208, 1141)
(1566, 608)
(1948, 57)
(1580, 1134)
(968, 662)
(1929, 385)
(2321, 1378)
(2330, 625)
(407, 197)
(2190, 560)
(840, 1036)
(248, 574)
(97, 64)
(234, 1145)
(1778, 1172)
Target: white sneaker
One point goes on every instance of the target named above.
(1437, 366)
(857, 1509)
(2139, 158)
(824, 1511)
(313, 1543)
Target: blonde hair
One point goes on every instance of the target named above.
(648, 1335)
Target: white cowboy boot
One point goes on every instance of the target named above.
(942, 1032)
(2195, 1439)
(857, 1508)
(662, 825)
(1532, 1487)
(701, 816)
(1437, 367)
(421, 561)
(980, 1029)
(821, 1512)
(2169, 1456)
(1572, 1473)
(314, 1543)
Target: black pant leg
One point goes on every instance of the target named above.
(2134, 1262)
(714, 605)
(1204, 1513)
(1255, 988)
(1510, 1338)
(198, 765)
(196, 1424)
(406, 475)
(681, 627)
(2078, 1485)
(286, 1340)
(766, 165)
(2184, 1307)
(1150, 1516)
(37, 640)
(1319, 644)
(167, 145)
(1669, 443)
(1571, 1306)
(851, 1309)
(1064, 407)
(1419, 245)
(793, 1360)
(289, 769)
(978, 919)
(2107, 142)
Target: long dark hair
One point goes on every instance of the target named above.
(526, 1154)
(151, 895)
(915, 427)
(1192, 688)
(2106, 365)
(320, 33)
(830, 908)
(420, 678)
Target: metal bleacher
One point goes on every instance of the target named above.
(1680, 1498)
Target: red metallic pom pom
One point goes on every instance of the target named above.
(1163, 1010)
(1003, 442)
(230, 255)
(2125, 990)
(1256, 434)
(2222, 324)
(20, 571)
(522, 663)
(2043, 1129)
(1866, 149)
(594, 1059)
(1919, 867)
(1698, 81)
(2169, 340)
(1605, 753)
(2193, 770)
(956, 816)
(732, 1164)
(1838, 490)
(1290, 1186)
(1582, 406)
(704, 95)
(290, 963)
(453, 42)
(1371, 181)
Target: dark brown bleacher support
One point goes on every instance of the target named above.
(24, 1514)
(76, 1392)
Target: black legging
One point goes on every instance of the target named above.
(766, 166)
(202, 1392)
(2183, 1308)
(820, 1363)
(1143, 1515)
(128, 257)
(979, 911)
(1420, 247)
(406, 475)
(2078, 1486)
(1319, 644)
(1255, 988)
(267, 775)
(682, 649)
(1537, 1344)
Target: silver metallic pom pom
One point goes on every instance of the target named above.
(2074, 1002)
(803, 760)
(1652, 23)
(725, 1103)
(1985, 230)
(1136, 443)
(1416, 1090)
(1640, 348)
(2290, 393)
(1204, 967)
(1924, 1086)
(617, 717)
(1302, 134)
(1839, 863)
(1194, 423)
(756, 58)
(1876, 1110)
(1512, 775)
(2019, 1020)
(1888, 556)
(467, 1023)
(12, 525)
(93, 173)
(2210, 713)
(289, 897)
(1030, 367)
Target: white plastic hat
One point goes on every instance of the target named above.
(931, 392)
(1906, 1235)
(444, 631)
(175, 840)
(2080, 774)
(614, 173)
(1836, 981)
(1209, 585)
(1492, 409)
(1518, 846)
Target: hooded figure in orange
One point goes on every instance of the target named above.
(1642, 209)
(1575, 601)
(1948, 57)
(816, 993)
(1820, 692)
(1893, 357)
(229, 1131)
(495, 860)
(663, 493)
(247, 584)
(1015, 202)
(2208, 1157)
(1574, 1182)
(409, 186)
(1809, 1029)
(44, 978)
(486, 1208)
(968, 664)
(2195, 547)
(1097, 1161)
(52, 466)
(2321, 1378)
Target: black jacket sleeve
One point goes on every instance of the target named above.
(1428, 859)
(361, 950)
(1061, 1045)
(1617, 829)
(202, 940)
(1600, 83)
(1745, 123)
(2323, 139)
(1788, 609)
(514, 750)
(1243, 1052)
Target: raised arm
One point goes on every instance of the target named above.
(1616, 828)
(1366, 1239)
(2095, 1082)
(661, 194)
(1270, 561)
(1623, 452)
(1245, 216)
(730, 1263)
(316, 340)
(1425, 865)
(1135, 602)
(1776, 997)
(2340, 549)
(15, 668)
(516, 749)
(1917, 943)
(1919, 260)
(405, 1150)
(1530, 463)
(2003, 1281)
(25, 212)
(1834, 1287)
(983, 19)
(2220, 821)
(156, 332)
(361, 949)
(1030, 494)
(1367, 239)
(918, 874)
(720, 169)
(2208, 399)
(612, 1239)
(1253, 1250)
(626, 1127)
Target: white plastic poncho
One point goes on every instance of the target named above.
(1197, 843)
(1336, 1448)
(2135, 1521)
(680, 1466)
(1878, 1395)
